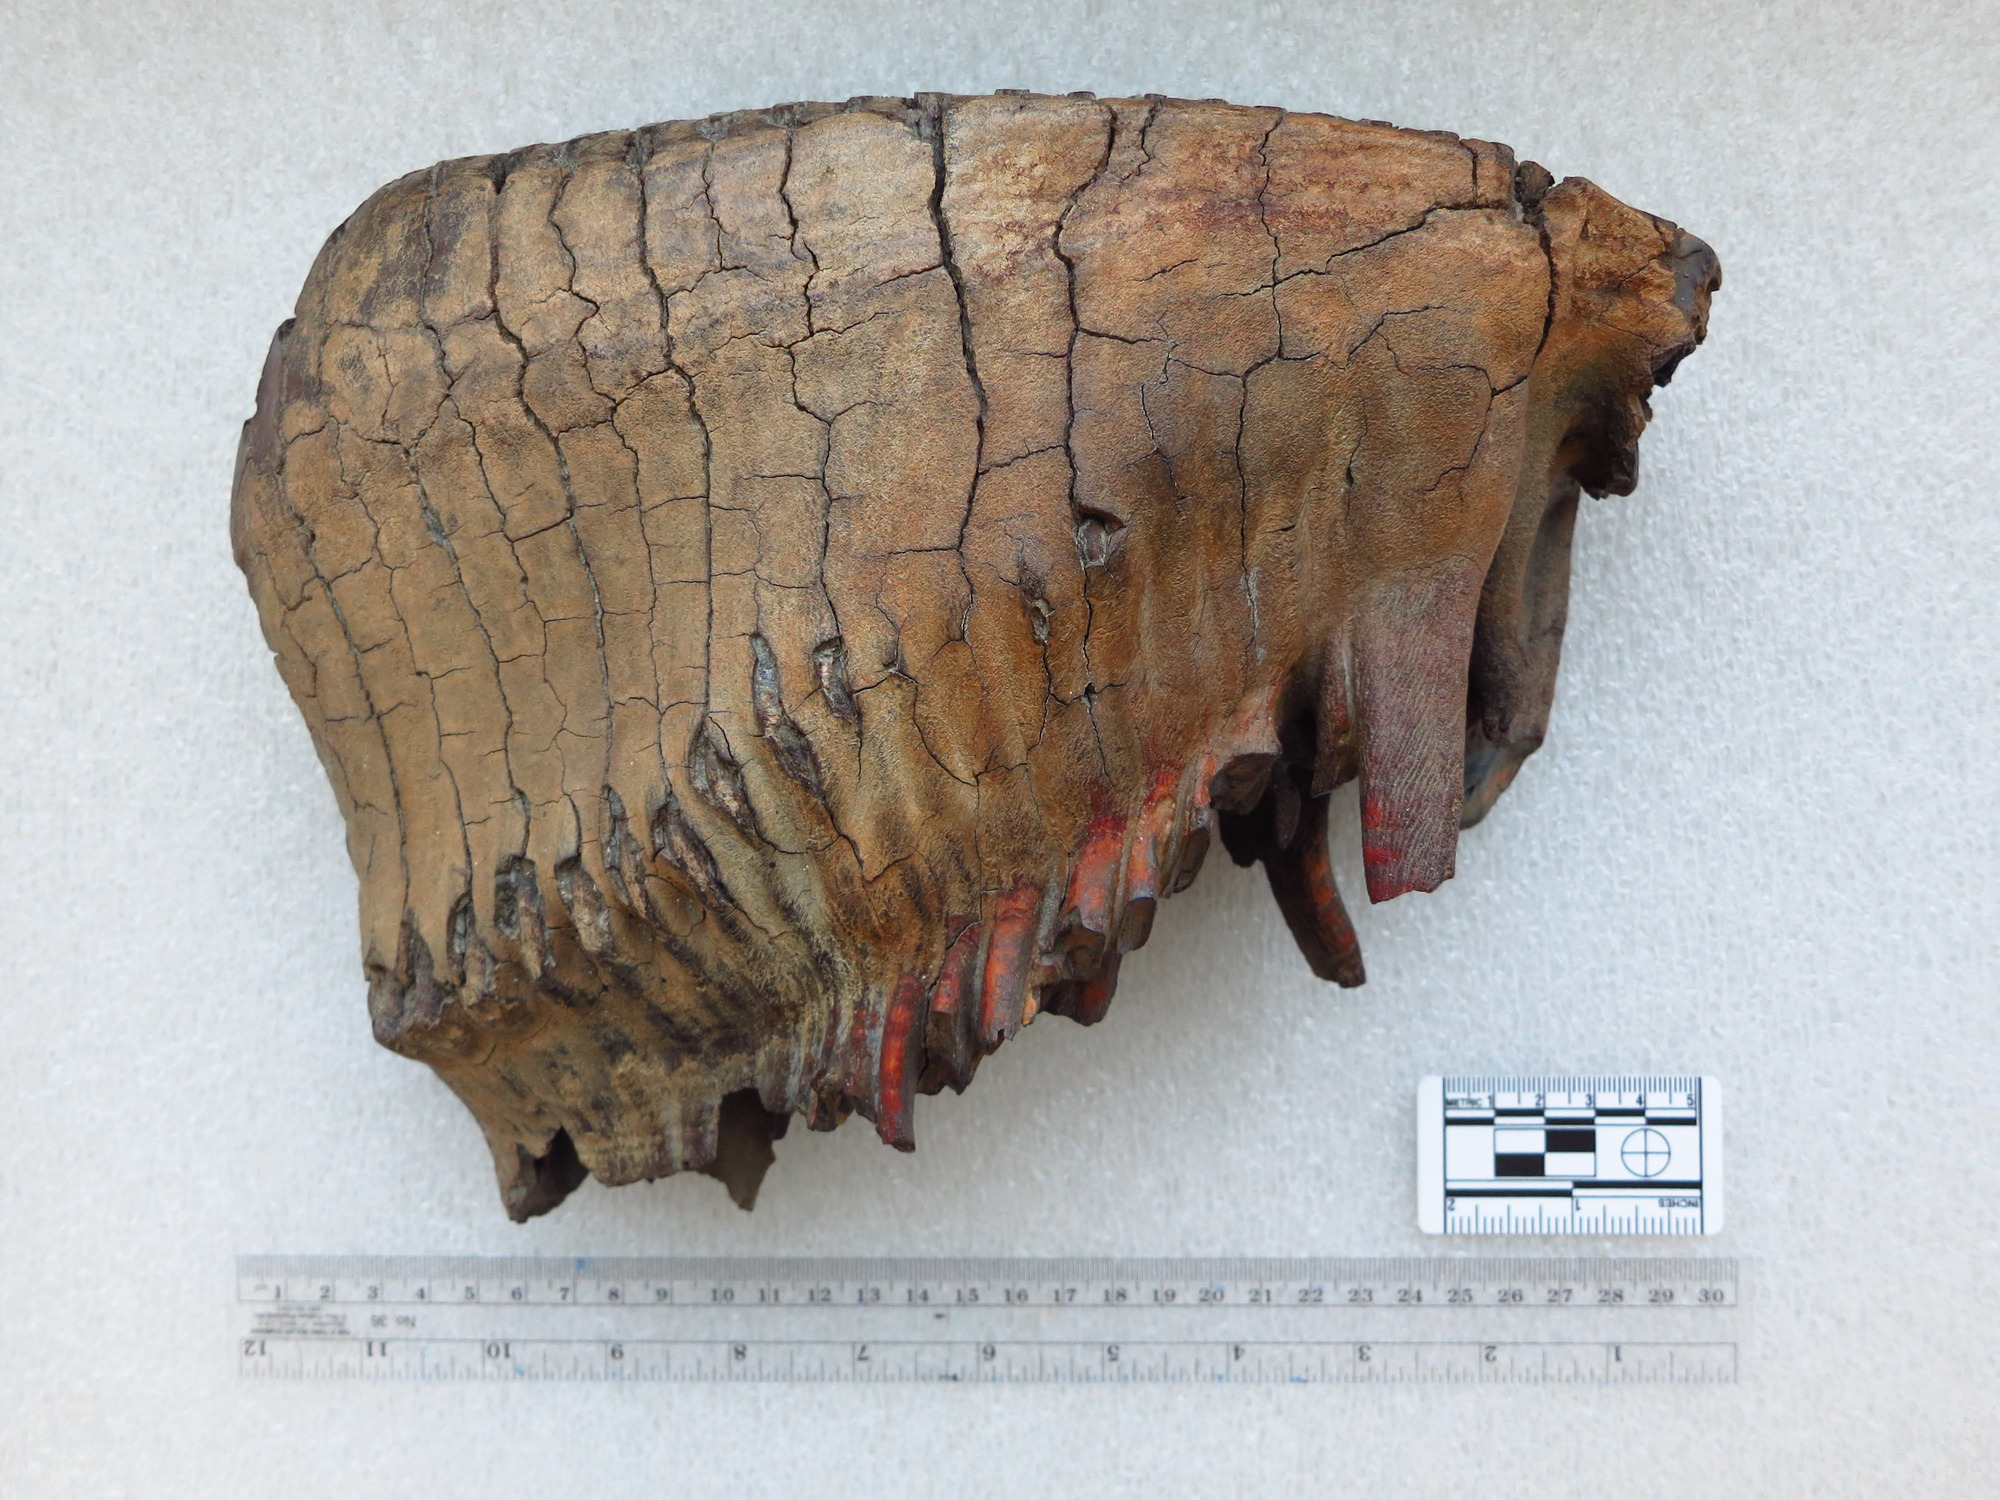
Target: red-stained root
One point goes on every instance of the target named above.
(902, 1056)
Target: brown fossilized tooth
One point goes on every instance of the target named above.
(781, 598)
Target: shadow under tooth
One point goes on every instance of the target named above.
(537, 1184)
(745, 1130)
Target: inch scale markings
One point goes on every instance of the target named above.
(1018, 1362)
(1638, 1155)
(1082, 1321)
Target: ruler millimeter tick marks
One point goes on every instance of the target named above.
(1233, 1320)
(300, 1285)
(1569, 1155)
(1003, 1362)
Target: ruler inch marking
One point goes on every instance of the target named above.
(1373, 1361)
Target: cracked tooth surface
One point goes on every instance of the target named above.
(781, 598)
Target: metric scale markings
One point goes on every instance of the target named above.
(1491, 1320)
(1637, 1155)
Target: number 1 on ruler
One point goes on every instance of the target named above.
(1611, 1154)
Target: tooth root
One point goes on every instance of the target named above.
(1142, 864)
(1194, 849)
(901, 1064)
(1286, 806)
(1138, 923)
(856, 1077)
(949, 1042)
(1301, 877)
(1085, 1001)
(825, 1111)
(1095, 997)
(1337, 759)
(777, 1079)
(1231, 778)
(1197, 828)
(532, 1183)
(1411, 654)
(1088, 917)
(828, 1101)
(692, 1133)
(1240, 784)
(1003, 989)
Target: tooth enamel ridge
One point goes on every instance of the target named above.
(781, 598)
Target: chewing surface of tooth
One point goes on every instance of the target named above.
(782, 598)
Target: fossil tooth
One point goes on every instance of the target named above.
(781, 598)
(1143, 863)
(950, 1045)
(1301, 877)
(1090, 922)
(901, 1062)
(1010, 945)
(1411, 651)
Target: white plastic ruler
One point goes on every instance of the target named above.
(1569, 1155)
(1242, 1321)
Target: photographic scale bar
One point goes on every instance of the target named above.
(1590, 1321)
(1003, 1362)
(1596, 1155)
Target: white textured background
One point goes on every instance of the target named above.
(1761, 843)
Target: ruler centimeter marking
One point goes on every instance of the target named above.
(1081, 1320)
(884, 1283)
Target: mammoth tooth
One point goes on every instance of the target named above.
(1411, 649)
(1010, 952)
(782, 598)
(950, 1052)
(901, 1060)
(1301, 876)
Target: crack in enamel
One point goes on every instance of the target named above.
(781, 598)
